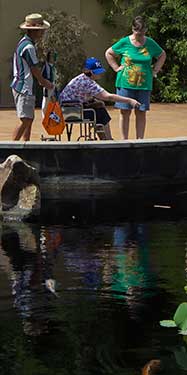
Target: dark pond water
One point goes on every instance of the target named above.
(84, 288)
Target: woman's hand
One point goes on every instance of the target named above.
(159, 63)
(134, 103)
(121, 67)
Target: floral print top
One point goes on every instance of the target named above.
(81, 88)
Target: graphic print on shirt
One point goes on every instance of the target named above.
(133, 72)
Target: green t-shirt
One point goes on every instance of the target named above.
(137, 72)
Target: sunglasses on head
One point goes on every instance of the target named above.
(138, 30)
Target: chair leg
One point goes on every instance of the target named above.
(69, 128)
(91, 131)
(81, 132)
(85, 131)
(94, 132)
(90, 126)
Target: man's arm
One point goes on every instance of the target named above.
(41, 80)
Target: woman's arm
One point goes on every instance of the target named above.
(105, 95)
(159, 63)
(111, 59)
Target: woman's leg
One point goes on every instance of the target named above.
(103, 123)
(104, 132)
(108, 131)
(140, 123)
(124, 122)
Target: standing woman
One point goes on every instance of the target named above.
(135, 73)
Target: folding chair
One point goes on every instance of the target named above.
(74, 114)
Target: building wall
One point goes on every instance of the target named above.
(12, 13)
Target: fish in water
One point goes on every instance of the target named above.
(50, 285)
(152, 367)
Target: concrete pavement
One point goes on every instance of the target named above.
(163, 121)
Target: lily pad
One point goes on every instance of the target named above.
(180, 317)
(168, 323)
(185, 288)
(184, 333)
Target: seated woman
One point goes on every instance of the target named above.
(84, 89)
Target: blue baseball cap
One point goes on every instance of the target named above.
(94, 65)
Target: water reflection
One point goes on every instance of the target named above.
(180, 350)
(89, 296)
(110, 265)
(131, 275)
(30, 260)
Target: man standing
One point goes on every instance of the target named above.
(25, 70)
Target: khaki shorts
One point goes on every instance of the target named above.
(25, 104)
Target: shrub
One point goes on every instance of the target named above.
(65, 37)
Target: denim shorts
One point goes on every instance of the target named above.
(25, 104)
(143, 96)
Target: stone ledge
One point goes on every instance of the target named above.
(153, 161)
(95, 144)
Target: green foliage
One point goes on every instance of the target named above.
(112, 9)
(168, 87)
(109, 81)
(119, 13)
(167, 24)
(179, 319)
(66, 37)
(172, 35)
(168, 323)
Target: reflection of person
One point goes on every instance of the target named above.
(84, 89)
(135, 74)
(134, 276)
(31, 273)
(48, 72)
(25, 69)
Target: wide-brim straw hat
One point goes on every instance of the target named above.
(34, 21)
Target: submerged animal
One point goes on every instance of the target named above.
(152, 367)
